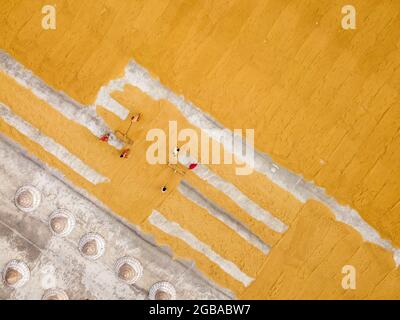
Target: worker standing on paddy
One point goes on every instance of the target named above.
(136, 117)
(125, 153)
(124, 136)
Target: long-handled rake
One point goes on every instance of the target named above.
(176, 169)
(124, 135)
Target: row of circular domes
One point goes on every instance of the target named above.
(92, 246)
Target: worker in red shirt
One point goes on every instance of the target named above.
(192, 165)
(105, 137)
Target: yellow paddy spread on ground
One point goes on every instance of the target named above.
(324, 102)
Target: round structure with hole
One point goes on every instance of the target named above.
(61, 222)
(128, 269)
(92, 246)
(55, 294)
(162, 291)
(15, 274)
(27, 198)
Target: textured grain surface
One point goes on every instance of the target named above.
(323, 102)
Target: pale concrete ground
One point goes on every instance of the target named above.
(56, 262)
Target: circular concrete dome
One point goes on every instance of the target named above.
(162, 291)
(27, 198)
(55, 294)
(15, 274)
(92, 246)
(128, 269)
(61, 222)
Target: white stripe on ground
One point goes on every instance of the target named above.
(196, 197)
(289, 181)
(237, 196)
(51, 146)
(72, 110)
(252, 208)
(175, 230)
(104, 98)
